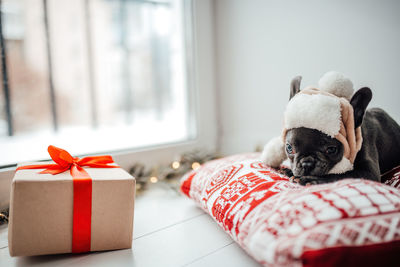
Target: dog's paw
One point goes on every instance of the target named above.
(286, 171)
(306, 180)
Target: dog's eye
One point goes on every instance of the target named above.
(289, 149)
(331, 150)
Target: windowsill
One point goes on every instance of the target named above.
(149, 156)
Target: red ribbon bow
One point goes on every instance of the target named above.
(82, 213)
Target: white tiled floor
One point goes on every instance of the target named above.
(169, 231)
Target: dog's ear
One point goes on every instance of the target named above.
(295, 86)
(360, 101)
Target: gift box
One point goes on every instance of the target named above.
(72, 205)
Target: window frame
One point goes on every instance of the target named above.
(199, 38)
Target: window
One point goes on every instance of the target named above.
(93, 76)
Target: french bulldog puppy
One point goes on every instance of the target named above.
(313, 154)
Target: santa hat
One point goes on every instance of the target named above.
(327, 110)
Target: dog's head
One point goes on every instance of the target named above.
(312, 152)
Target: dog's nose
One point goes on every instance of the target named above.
(307, 165)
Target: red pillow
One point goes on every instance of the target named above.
(279, 223)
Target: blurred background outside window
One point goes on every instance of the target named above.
(92, 76)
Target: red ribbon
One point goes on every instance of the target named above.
(82, 213)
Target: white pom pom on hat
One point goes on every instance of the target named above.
(274, 152)
(337, 84)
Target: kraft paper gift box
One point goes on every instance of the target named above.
(42, 212)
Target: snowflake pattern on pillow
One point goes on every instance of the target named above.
(279, 223)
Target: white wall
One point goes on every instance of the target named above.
(261, 45)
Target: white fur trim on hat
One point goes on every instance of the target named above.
(319, 112)
(341, 167)
(274, 152)
(337, 84)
